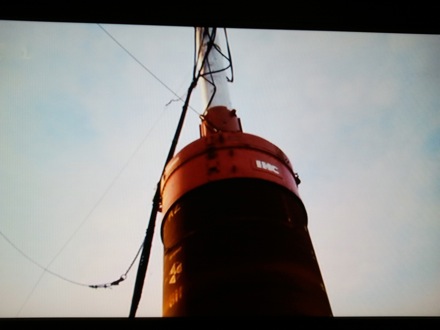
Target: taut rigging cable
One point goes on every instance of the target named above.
(145, 255)
(146, 245)
(124, 275)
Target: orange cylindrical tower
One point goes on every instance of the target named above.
(234, 228)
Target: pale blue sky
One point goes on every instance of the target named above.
(85, 130)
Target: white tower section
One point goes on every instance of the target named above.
(214, 82)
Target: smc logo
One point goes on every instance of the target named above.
(267, 166)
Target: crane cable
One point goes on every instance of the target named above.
(124, 275)
(146, 248)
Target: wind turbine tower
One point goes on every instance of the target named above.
(234, 227)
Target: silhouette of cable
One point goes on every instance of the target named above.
(122, 277)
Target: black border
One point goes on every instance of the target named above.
(356, 16)
(360, 16)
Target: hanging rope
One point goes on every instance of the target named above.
(210, 34)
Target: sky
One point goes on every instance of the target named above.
(87, 116)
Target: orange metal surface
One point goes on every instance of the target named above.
(224, 155)
(218, 119)
(240, 247)
(234, 229)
